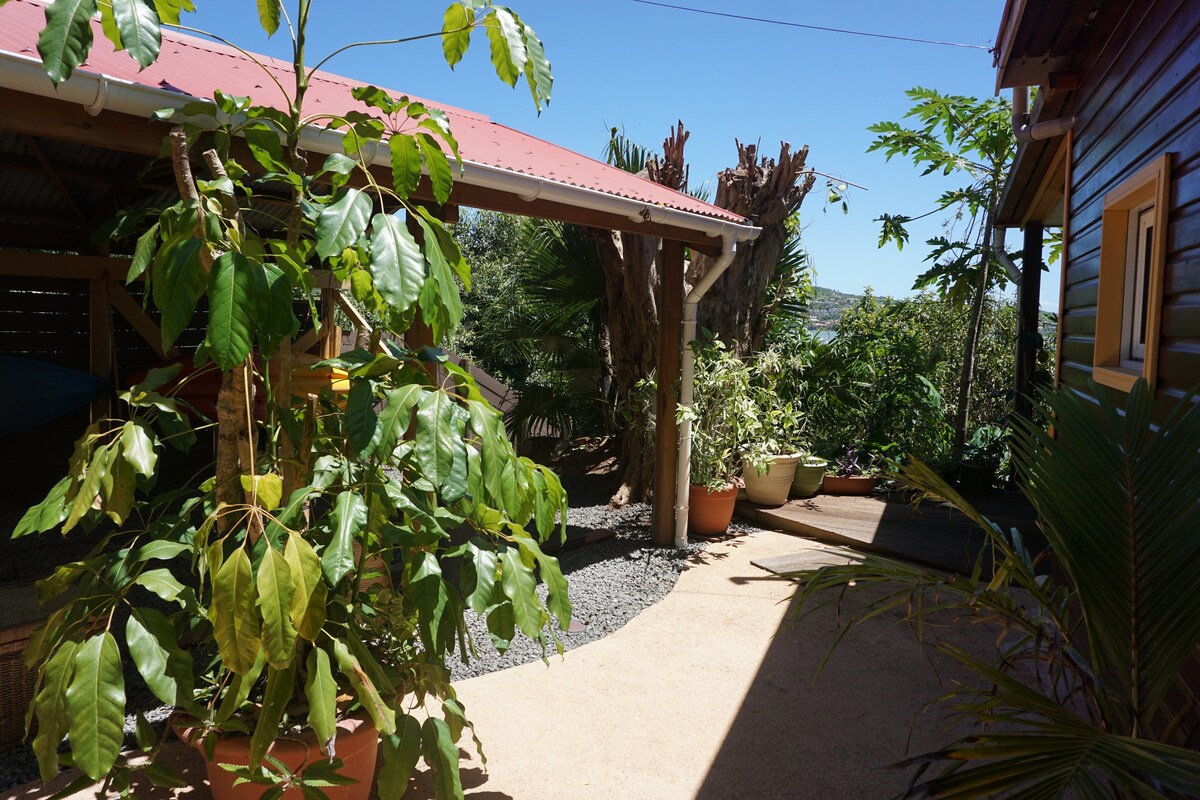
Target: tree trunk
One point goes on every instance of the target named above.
(766, 192)
(966, 379)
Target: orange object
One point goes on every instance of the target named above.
(357, 746)
(709, 513)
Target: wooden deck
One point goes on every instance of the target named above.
(932, 534)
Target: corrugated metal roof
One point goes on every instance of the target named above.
(197, 67)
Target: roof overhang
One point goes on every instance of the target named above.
(99, 108)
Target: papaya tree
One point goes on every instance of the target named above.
(311, 566)
(971, 139)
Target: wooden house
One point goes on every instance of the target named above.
(1111, 154)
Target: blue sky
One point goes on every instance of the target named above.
(626, 64)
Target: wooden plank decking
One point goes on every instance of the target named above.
(932, 534)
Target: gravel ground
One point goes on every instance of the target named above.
(610, 582)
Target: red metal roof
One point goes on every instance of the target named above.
(197, 67)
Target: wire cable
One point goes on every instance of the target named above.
(811, 27)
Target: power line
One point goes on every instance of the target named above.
(810, 27)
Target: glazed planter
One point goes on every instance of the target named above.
(771, 488)
(809, 477)
(854, 484)
(357, 746)
(709, 513)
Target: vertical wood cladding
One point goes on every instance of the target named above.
(1140, 97)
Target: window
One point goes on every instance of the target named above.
(1132, 254)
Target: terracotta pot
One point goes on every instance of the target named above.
(855, 484)
(809, 477)
(771, 488)
(709, 513)
(357, 746)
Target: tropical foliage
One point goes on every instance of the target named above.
(536, 323)
(310, 570)
(1089, 695)
(972, 139)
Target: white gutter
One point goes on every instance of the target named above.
(1042, 130)
(998, 237)
(683, 463)
(97, 92)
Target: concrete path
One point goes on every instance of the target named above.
(709, 694)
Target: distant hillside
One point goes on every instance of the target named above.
(827, 306)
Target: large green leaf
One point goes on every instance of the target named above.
(280, 685)
(365, 690)
(405, 156)
(537, 69)
(178, 283)
(521, 588)
(234, 613)
(342, 222)
(349, 516)
(456, 32)
(143, 253)
(275, 590)
(428, 591)
(50, 704)
(165, 666)
(396, 416)
(507, 44)
(397, 266)
(309, 590)
(232, 310)
(137, 20)
(321, 690)
(96, 706)
(479, 575)
(64, 43)
(162, 583)
(441, 754)
(46, 514)
(440, 449)
(276, 319)
(137, 447)
(399, 752)
(362, 424)
(438, 165)
(268, 15)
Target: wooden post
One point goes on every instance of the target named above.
(666, 433)
(1028, 313)
(100, 338)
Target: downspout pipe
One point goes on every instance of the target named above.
(1010, 268)
(1042, 130)
(691, 305)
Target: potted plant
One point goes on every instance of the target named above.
(298, 589)
(720, 415)
(981, 459)
(810, 474)
(773, 446)
(852, 473)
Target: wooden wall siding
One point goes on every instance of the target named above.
(1140, 97)
(45, 319)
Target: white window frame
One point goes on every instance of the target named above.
(1135, 309)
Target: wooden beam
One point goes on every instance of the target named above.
(38, 215)
(1028, 313)
(62, 265)
(100, 341)
(75, 172)
(666, 433)
(141, 322)
(35, 148)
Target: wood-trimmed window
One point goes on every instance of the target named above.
(1133, 251)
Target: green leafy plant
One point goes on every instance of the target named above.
(309, 570)
(721, 414)
(987, 447)
(776, 425)
(1106, 637)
